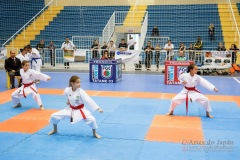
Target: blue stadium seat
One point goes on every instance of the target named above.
(10, 20)
(78, 21)
(183, 23)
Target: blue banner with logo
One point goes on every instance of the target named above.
(105, 71)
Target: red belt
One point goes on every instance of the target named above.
(80, 109)
(27, 85)
(189, 89)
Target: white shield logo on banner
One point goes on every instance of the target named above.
(106, 71)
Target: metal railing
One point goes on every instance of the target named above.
(121, 16)
(155, 57)
(109, 29)
(235, 25)
(85, 42)
(143, 30)
(55, 58)
(156, 40)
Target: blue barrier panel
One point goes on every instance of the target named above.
(105, 71)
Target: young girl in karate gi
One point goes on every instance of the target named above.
(28, 86)
(189, 92)
(77, 98)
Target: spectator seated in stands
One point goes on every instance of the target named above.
(155, 32)
(211, 31)
(221, 47)
(199, 44)
(13, 66)
(181, 57)
(105, 55)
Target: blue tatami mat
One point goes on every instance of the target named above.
(124, 124)
(10, 140)
(225, 144)
(221, 124)
(73, 147)
(8, 111)
(168, 151)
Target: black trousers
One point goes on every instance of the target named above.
(52, 58)
(12, 78)
(94, 54)
(157, 56)
(148, 61)
(66, 64)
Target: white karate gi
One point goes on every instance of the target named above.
(23, 57)
(36, 61)
(29, 77)
(193, 95)
(77, 98)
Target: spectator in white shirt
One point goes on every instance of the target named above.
(169, 48)
(67, 45)
(131, 43)
(112, 49)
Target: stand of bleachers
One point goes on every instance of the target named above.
(183, 23)
(78, 21)
(14, 14)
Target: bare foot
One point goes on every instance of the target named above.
(52, 132)
(18, 105)
(169, 113)
(97, 136)
(209, 115)
(41, 107)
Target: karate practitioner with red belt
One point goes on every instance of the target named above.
(28, 86)
(77, 111)
(189, 92)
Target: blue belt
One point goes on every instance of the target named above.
(34, 59)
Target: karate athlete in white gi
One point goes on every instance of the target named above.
(189, 92)
(23, 55)
(28, 86)
(35, 58)
(77, 98)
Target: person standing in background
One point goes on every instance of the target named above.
(40, 47)
(67, 45)
(52, 48)
(131, 43)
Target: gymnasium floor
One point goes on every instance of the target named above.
(133, 125)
